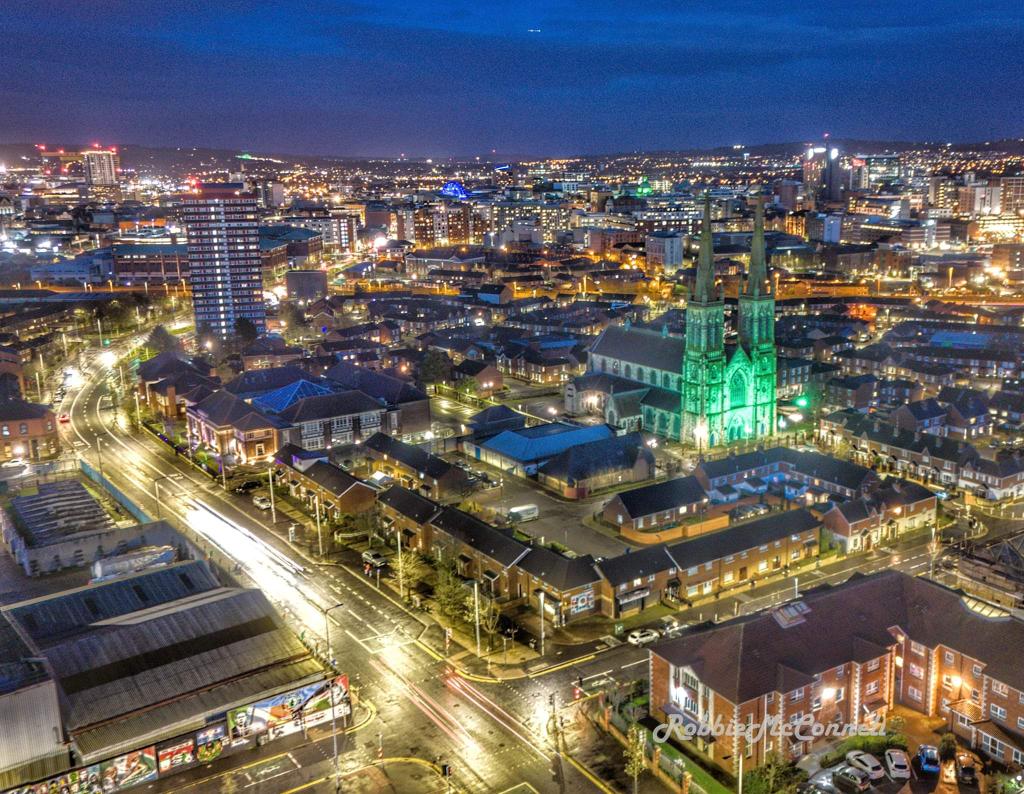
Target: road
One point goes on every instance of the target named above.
(493, 740)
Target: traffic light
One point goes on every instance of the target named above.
(801, 401)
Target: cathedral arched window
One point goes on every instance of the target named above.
(666, 380)
(654, 378)
(600, 364)
(640, 374)
(737, 389)
(628, 371)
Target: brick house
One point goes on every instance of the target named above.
(848, 653)
(27, 431)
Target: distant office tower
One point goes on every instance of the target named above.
(224, 257)
(870, 171)
(101, 166)
(271, 194)
(1012, 199)
(664, 252)
(814, 168)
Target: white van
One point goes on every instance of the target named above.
(523, 513)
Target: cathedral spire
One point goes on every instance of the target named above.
(757, 273)
(704, 286)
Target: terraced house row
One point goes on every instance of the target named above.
(847, 654)
(515, 571)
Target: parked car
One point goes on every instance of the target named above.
(261, 502)
(866, 763)
(13, 463)
(966, 771)
(642, 636)
(374, 558)
(897, 764)
(850, 780)
(461, 464)
(247, 486)
(671, 627)
(928, 759)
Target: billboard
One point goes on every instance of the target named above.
(290, 712)
(117, 774)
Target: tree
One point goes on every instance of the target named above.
(162, 341)
(408, 570)
(435, 367)
(292, 316)
(635, 753)
(775, 776)
(449, 592)
(490, 618)
(245, 330)
(947, 747)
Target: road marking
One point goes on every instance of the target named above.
(633, 664)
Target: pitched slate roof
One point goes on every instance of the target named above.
(498, 544)
(751, 656)
(641, 346)
(332, 478)
(656, 498)
(223, 408)
(409, 455)
(261, 381)
(410, 504)
(582, 461)
(925, 409)
(637, 564)
(328, 406)
(558, 571)
(741, 537)
(391, 390)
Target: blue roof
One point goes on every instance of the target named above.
(539, 443)
(278, 400)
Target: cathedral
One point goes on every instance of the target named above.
(697, 388)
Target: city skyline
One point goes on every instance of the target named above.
(401, 80)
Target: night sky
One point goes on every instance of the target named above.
(454, 77)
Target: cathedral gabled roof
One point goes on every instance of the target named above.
(641, 347)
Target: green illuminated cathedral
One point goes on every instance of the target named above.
(729, 392)
(696, 389)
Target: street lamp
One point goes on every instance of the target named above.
(334, 723)
(156, 491)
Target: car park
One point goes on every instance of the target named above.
(927, 759)
(866, 763)
(642, 636)
(261, 502)
(897, 764)
(966, 770)
(850, 780)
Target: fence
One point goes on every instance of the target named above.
(133, 509)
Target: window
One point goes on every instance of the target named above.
(840, 672)
(916, 671)
(914, 693)
(762, 566)
(795, 695)
(976, 670)
(1018, 757)
(840, 694)
(651, 577)
(769, 698)
(916, 647)
(23, 429)
(997, 712)
(691, 591)
(1020, 723)
(949, 658)
(727, 577)
(691, 571)
(871, 688)
(816, 703)
(872, 665)
(707, 586)
(999, 688)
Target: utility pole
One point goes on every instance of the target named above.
(476, 613)
(401, 570)
(319, 533)
(270, 481)
(541, 622)
(333, 689)
(99, 456)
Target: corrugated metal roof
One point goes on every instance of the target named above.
(191, 712)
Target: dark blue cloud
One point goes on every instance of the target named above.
(546, 77)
